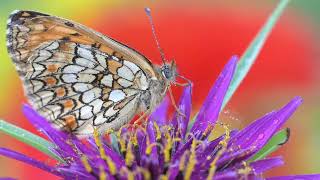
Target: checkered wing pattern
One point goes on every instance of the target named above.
(75, 77)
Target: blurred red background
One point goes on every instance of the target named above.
(201, 38)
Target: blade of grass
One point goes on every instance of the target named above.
(30, 139)
(251, 53)
(274, 143)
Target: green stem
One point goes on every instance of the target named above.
(30, 139)
(249, 56)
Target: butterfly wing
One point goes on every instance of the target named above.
(75, 77)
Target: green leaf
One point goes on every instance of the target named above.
(274, 143)
(30, 139)
(251, 53)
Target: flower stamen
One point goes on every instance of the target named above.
(146, 174)
(158, 133)
(224, 144)
(183, 161)
(192, 160)
(102, 175)
(129, 155)
(86, 164)
(103, 155)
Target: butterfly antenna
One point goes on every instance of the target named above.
(148, 12)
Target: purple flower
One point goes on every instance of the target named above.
(168, 149)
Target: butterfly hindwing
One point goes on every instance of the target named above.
(75, 77)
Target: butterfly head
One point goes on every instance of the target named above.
(169, 71)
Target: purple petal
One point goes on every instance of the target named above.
(151, 161)
(93, 156)
(185, 108)
(173, 171)
(201, 174)
(186, 146)
(243, 136)
(141, 137)
(210, 109)
(230, 175)
(82, 147)
(160, 114)
(258, 167)
(210, 147)
(266, 164)
(93, 145)
(259, 132)
(115, 157)
(251, 139)
(297, 177)
(234, 175)
(58, 137)
(286, 112)
(152, 139)
(233, 157)
(20, 157)
(71, 173)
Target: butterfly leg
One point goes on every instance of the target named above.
(174, 102)
(188, 83)
(181, 84)
(140, 119)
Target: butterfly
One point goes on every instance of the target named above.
(81, 80)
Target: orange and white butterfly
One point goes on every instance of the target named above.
(79, 79)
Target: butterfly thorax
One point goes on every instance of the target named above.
(152, 97)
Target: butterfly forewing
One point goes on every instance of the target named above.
(75, 77)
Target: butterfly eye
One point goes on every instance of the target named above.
(167, 72)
